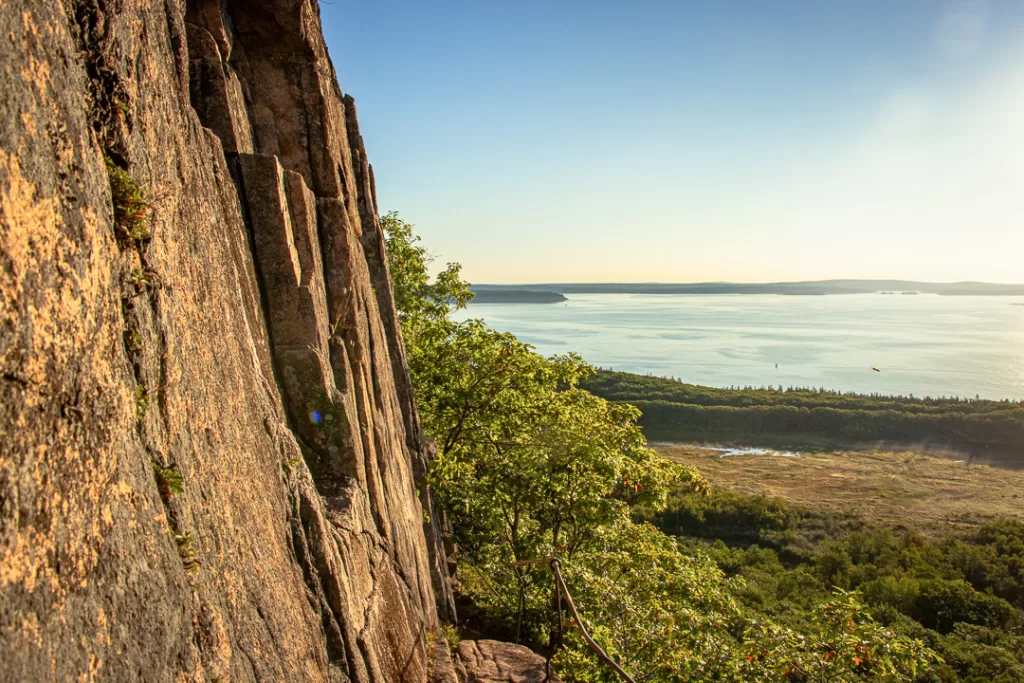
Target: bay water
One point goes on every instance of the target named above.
(921, 345)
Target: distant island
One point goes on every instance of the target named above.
(816, 288)
(515, 296)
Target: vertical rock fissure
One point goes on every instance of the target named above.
(336, 650)
(248, 333)
(143, 337)
(234, 164)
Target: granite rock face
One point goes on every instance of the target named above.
(492, 661)
(209, 453)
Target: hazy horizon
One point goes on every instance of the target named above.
(685, 142)
(746, 282)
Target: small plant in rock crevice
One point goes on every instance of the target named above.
(133, 340)
(168, 480)
(141, 402)
(451, 635)
(142, 278)
(121, 109)
(133, 207)
(187, 551)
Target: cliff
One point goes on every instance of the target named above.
(210, 456)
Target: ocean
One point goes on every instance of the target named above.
(922, 345)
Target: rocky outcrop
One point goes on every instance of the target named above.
(491, 661)
(210, 457)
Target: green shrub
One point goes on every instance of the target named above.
(133, 208)
(187, 551)
(141, 402)
(941, 605)
(168, 480)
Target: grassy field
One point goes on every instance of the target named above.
(931, 495)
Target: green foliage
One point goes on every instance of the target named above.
(133, 339)
(659, 612)
(451, 635)
(417, 299)
(976, 654)
(843, 643)
(963, 597)
(940, 605)
(187, 551)
(726, 515)
(133, 208)
(168, 480)
(141, 402)
(531, 466)
(673, 410)
(630, 386)
(141, 278)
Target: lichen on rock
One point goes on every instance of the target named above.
(187, 215)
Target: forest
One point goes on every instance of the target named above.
(675, 411)
(962, 596)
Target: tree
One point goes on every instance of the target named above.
(530, 466)
(421, 304)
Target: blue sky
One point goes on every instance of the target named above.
(744, 140)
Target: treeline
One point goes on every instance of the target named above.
(675, 411)
(625, 386)
(963, 597)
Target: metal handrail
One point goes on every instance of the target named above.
(563, 591)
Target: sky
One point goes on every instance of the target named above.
(700, 140)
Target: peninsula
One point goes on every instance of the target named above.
(818, 287)
(516, 296)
